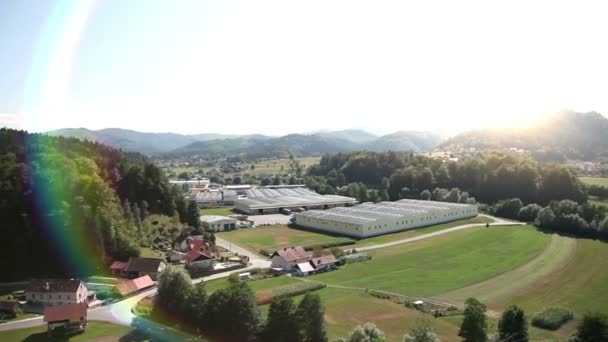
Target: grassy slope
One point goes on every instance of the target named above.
(95, 331)
(282, 236)
(217, 211)
(595, 181)
(580, 284)
(443, 263)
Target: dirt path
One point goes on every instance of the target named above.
(557, 252)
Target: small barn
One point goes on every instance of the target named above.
(66, 319)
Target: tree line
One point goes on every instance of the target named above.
(87, 197)
(486, 176)
(231, 313)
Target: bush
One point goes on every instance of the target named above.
(352, 258)
(529, 212)
(335, 243)
(290, 291)
(552, 318)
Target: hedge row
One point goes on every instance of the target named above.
(334, 243)
(290, 291)
(552, 318)
(352, 258)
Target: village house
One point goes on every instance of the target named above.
(193, 243)
(119, 268)
(128, 287)
(67, 318)
(324, 263)
(139, 267)
(287, 258)
(49, 292)
(9, 309)
(174, 256)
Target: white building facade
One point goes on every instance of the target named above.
(218, 223)
(369, 219)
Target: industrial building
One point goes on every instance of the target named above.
(275, 200)
(218, 223)
(214, 198)
(370, 219)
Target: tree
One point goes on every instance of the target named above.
(174, 289)
(183, 175)
(453, 196)
(196, 304)
(232, 313)
(281, 324)
(593, 328)
(423, 332)
(368, 333)
(513, 325)
(425, 195)
(508, 208)
(192, 215)
(276, 180)
(310, 317)
(473, 328)
(266, 181)
(545, 218)
(529, 212)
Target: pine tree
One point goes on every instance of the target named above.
(473, 328)
(513, 325)
(310, 317)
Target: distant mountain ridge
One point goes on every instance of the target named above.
(561, 136)
(211, 145)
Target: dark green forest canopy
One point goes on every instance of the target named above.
(488, 176)
(63, 194)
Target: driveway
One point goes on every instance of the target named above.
(254, 259)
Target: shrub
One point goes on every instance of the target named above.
(552, 318)
(352, 258)
(290, 291)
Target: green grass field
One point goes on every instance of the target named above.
(443, 263)
(280, 236)
(96, 331)
(274, 237)
(594, 181)
(224, 211)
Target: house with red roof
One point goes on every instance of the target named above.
(133, 286)
(66, 318)
(287, 258)
(119, 268)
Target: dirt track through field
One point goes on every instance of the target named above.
(509, 283)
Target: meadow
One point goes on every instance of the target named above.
(96, 331)
(276, 237)
(443, 263)
(223, 211)
(595, 181)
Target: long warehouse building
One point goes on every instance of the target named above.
(273, 200)
(370, 219)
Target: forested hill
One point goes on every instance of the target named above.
(308, 145)
(62, 197)
(566, 135)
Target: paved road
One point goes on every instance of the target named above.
(497, 222)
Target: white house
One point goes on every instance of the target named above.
(288, 258)
(218, 223)
(50, 292)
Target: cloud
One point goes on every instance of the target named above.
(12, 120)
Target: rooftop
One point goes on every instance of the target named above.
(215, 218)
(54, 285)
(129, 286)
(290, 197)
(65, 312)
(143, 264)
(290, 254)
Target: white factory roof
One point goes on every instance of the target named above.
(215, 218)
(261, 198)
(368, 212)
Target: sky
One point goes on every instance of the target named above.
(278, 67)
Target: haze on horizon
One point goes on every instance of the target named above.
(277, 67)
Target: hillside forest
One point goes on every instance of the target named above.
(62, 199)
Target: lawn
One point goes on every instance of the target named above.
(147, 252)
(416, 232)
(95, 331)
(256, 285)
(223, 211)
(442, 263)
(274, 237)
(580, 284)
(594, 181)
(280, 236)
